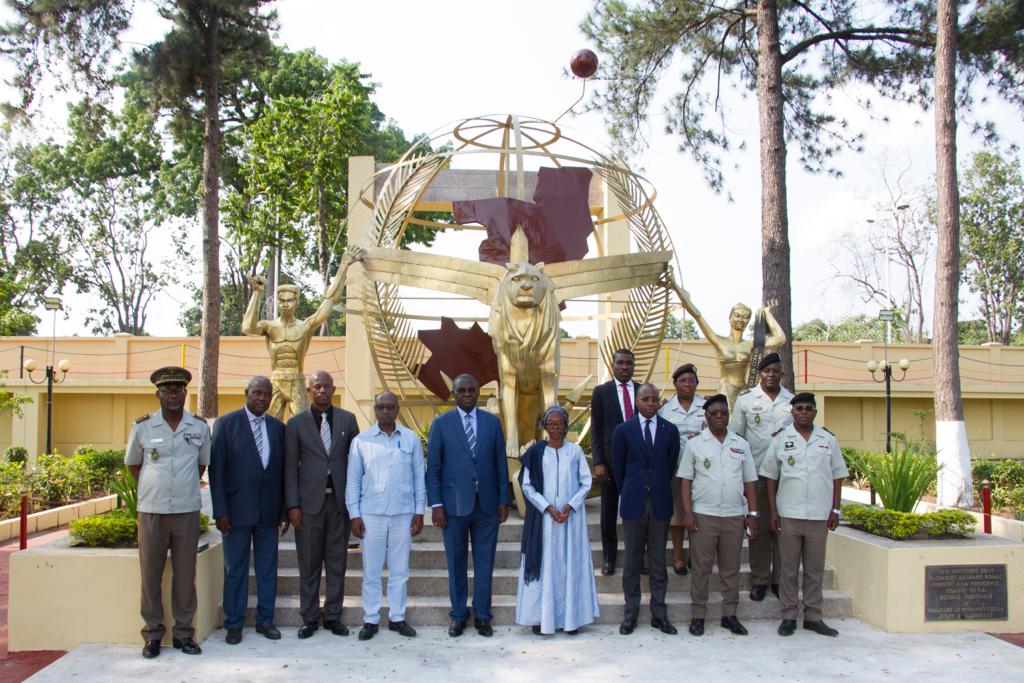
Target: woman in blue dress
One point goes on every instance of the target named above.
(556, 573)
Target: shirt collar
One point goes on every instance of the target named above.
(252, 416)
(463, 413)
(377, 430)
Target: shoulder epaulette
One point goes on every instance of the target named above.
(828, 430)
(745, 391)
(142, 418)
(692, 436)
(777, 431)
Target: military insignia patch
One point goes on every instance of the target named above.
(790, 446)
(736, 450)
(757, 419)
(791, 460)
(707, 464)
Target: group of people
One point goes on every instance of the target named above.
(681, 467)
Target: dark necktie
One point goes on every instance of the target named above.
(648, 438)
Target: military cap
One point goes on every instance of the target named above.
(716, 398)
(689, 367)
(170, 375)
(770, 359)
(803, 397)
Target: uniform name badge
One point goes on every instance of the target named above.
(791, 460)
(707, 464)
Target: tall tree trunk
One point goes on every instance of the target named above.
(950, 432)
(271, 288)
(209, 344)
(322, 243)
(774, 216)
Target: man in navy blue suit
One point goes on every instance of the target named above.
(467, 489)
(645, 451)
(246, 484)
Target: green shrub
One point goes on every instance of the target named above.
(903, 476)
(856, 463)
(103, 466)
(12, 483)
(59, 480)
(115, 529)
(18, 454)
(980, 471)
(903, 525)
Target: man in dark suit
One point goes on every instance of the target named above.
(246, 484)
(645, 451)
(611, 404)
(316, 465)
(467, 489)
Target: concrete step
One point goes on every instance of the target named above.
(425, 582)
(434, 610)
(430, 555)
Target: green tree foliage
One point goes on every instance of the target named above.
(846, 330)
(992, 241)
(681, 329)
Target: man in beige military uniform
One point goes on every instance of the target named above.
(757, 414)
(168, 451)
(805, 471)
(717, 472)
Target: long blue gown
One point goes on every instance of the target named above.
(565, 595)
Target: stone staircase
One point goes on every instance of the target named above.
(428, 603)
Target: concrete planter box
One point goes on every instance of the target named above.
(50, 519)
(62, 596)
(886, 578)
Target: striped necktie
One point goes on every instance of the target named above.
(627, 403)
(470, 434)
(257, 434)
(325, 432)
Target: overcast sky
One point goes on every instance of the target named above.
(443, 61)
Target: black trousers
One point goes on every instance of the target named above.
(609, 520)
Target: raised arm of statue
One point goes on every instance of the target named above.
(776, 336)
(691, 308)
(251, 323)
(332, 295)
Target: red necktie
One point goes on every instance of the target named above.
(627, 405)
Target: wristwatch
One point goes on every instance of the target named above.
(837, 512)
(753, 513)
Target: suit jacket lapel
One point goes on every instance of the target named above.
(313, 427)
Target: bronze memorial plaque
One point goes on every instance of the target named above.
(965, 591)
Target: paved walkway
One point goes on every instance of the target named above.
(597, 654)
(19, 666)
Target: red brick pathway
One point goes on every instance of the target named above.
(20, 665)
(1013, 638)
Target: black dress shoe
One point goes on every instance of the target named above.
(536, 629)
(573, 632)
(681, 571)
(403, 628)
(787, 627)
(608, 569)
(627, 626)
(336, 627)
(664, 626)
(483, 627)
(696, 627)
(234, 636)
(151, 649)
(775, 589)
(734, 625)
(821, 628)
(368, 631)
(757, 593)
(456, 628)
(308, 629)
(268, 631)
(187, 646)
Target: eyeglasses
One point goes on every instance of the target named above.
(716, 413)
(171, 390)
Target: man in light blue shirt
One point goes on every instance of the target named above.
(385, 494)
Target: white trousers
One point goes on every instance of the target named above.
(387, 537)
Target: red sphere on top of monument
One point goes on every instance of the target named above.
(583, 63)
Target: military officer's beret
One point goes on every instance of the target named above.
(170, 375)
(716, 398)
(688, 367)
(770, 359)
(803, 397)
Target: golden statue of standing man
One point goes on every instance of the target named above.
(288, 337)
(734, 351)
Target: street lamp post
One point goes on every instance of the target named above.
(51, 303)
(887, 377)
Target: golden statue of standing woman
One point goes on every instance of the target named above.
(733, 351)
(288, 337)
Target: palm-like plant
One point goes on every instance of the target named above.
(127, 489)
(902, 477)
